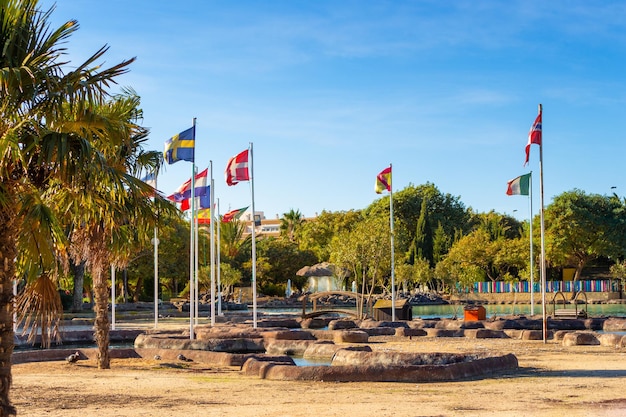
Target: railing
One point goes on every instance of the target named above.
(328, 309)
(572, 312)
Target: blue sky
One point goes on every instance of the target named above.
(331, 91)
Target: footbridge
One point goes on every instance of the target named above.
(329, 310)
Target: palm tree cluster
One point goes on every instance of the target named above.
(71, 154)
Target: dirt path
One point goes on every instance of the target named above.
(552, 381)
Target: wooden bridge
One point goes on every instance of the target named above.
(317, 313)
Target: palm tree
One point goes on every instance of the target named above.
(37, 145)
(110, 208)
(291, 223)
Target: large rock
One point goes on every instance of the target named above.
(614, 325)
(287, 347)
(342, 324)
(381, 331)
(371, 324)
(580, 338)
(445, 333)
(351, 336)
(314, 323)
(288, 335)
(241, 345)
(610, 339)
(394, 373)
(328, 350)
(410, 332)
(485, 334)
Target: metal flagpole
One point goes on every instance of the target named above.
(543, 240)
(156, 267)
(112, 297)
(217, 269)
(532, 268)
(195, 280)
(212, 230)
(393, 283)
(250, 168)
(192, 241)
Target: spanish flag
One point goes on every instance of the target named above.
(383, 181)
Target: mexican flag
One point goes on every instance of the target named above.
(519, 185)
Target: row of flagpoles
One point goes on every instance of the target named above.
(197, 196)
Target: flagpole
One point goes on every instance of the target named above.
(218, 261)
(254, 303)
(393, 282)
(196, 263)
(212, 230)
(543, 240)
(112, 297)
(191, 241)
(156, 266)
(532, 279)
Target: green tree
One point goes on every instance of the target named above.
(284, 259)
(317, 233)
(582, 227)
(366, 253)
(290, 224)
(111, 208)
(442, 209)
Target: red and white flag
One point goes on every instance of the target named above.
(237, 169)
(534, 136)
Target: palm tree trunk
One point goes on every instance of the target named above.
(78, 271)
(101, 325)
(8, 233)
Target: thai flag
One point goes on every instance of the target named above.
(184, 191)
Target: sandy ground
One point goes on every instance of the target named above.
(552, 380)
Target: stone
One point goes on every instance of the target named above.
(314, 323)
(610, 339)
(614, 325)
(328, 350)
(580, 338)
(287, 347)
(445, 333)
(341, 324)
(380, 331)
(485, 334)
(351, 336)
(410, 332)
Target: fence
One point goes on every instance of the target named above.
(599, 285)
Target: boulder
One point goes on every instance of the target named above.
(485, 334)
(328, 350)
(614, 325)
(342, 324)
(351, 336)
(610, 339)
(580, 338)
(288, 335)
(410, 332)
(445, 333)
(287, 347)
(381, 331)
(314, 323)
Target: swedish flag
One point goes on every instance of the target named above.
(181, 147)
